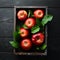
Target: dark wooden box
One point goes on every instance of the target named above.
(31, 52)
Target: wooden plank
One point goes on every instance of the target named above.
(12, 3)
(6, 56)
(54, 30)
(49, 3)
(6, 29)
(6, 14)
(5, 47)
(6, 3)
(6, 21)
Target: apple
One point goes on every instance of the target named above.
(30, 22)
(24, 32)
(26, 44)
(38, 13)
(22, 15)
(38, 38)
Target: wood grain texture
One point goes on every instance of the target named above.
(5, 46)
(5, 56)
(50, 3)
(6, 3)
(8, 56)
(6, 22)
(54, 30)
(12, 3)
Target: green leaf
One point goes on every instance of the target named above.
(14, 44)
(43, 47)
(18, 27)
(38, 21)
(24, 26)
(46, 19)
(19, 32)
(35, 29)
(15, 34)
(37, 48)
(30, 14)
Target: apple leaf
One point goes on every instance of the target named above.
(18, 27)
(30, 14)
(43, 47)
(38, 22)
(35, 29)
(14, 44)
(37, 48)
(46, 19)
(24, 26)
(15, 34)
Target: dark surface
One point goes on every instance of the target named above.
(12, 3)
(6, 29)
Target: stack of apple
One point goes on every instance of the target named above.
(36, 38)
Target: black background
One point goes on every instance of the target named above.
(6, 28)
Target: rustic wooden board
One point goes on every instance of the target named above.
(12, 3)
(5, 56)
(6, 3)
(5, 46)
(54, 30)
(6, 22)
(50, 3)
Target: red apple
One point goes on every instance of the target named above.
(38, 38)
(26, 44)
(38, 13)
(30, 22)
(23, 32)
(22, 14)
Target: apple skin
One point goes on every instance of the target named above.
(30, 22)
(26, 44)
(22, 15)
(38, 13)
(38, 38)
(24, 32)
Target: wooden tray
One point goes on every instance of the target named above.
(18, 52)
